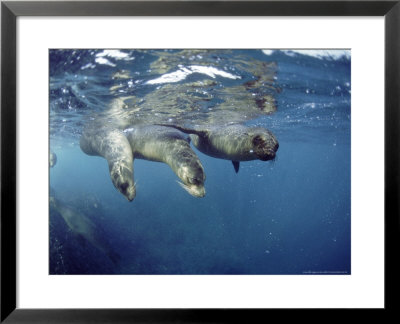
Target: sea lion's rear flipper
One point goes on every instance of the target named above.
(236, 165)
(187, 130)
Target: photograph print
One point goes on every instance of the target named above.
(199, 161)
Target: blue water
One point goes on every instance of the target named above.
(287, 216)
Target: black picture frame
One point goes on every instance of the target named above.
(10, 10)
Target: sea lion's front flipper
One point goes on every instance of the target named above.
(115, 148)
(187, 130)
(236, 165)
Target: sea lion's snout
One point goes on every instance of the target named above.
(267, 156)
(196, 190)
(265, 146)
(193, 177)
(276, 146)
(270, 152)
(128, 190)
(122, 179)
(195, 185)
(199, 192)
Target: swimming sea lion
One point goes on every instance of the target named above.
(235, 142)
(52, 159)
(83, 227)
(113, 145)
(164, 144)
(150, 142)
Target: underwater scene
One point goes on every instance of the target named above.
(187, 162)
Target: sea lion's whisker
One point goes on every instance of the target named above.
(183, 186)
(186, 187)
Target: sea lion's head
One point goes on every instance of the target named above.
(122, 179)
(192, 175)
(264, 144)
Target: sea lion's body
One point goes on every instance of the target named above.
(235, 142)
(83, 227)
(170, 146)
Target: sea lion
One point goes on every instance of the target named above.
(235, 142)
(84, 228)
(52, 159)
(150, 142)
(112, 145)
(168, 145)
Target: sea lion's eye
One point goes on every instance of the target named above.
(194, 181)
(257, 140)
